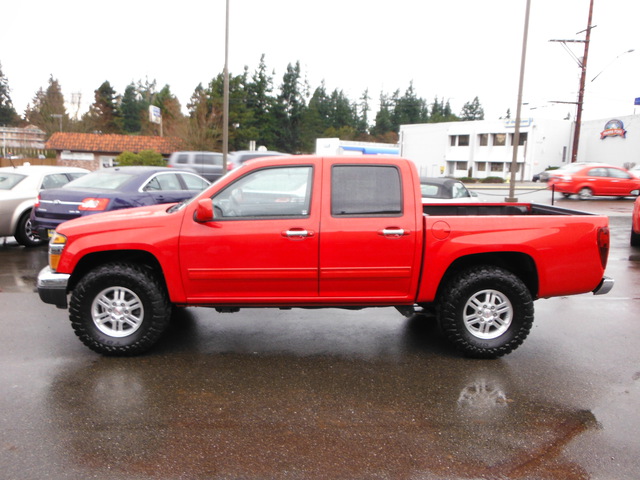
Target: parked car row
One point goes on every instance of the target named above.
(19, 187)
(209, 164)
(112, 189)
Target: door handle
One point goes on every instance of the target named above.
(393, 232)
(298, 233)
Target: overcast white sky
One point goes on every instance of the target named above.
(454, 49)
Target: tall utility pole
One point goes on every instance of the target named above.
(582, 63)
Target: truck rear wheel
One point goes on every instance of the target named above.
(119, 309)
(486, 312)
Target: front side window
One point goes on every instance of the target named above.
(459, 191)
(365, 190)
(267, 193)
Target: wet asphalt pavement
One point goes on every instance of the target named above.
(329, 394)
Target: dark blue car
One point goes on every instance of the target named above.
(112, 189)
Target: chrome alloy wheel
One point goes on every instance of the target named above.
(487, 314)
(117, 312)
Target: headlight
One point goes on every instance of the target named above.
(56, 245)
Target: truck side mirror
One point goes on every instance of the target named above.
(204, 211)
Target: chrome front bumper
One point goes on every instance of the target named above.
(605, 286)
(52, 287)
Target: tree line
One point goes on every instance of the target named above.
(288, 118)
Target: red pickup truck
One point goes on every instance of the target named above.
(310, 232)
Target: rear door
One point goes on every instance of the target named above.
(368, 246)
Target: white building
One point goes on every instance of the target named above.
(613, 140)
(484, 148)
(335, 146)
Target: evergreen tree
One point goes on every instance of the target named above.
(362, 122)
(8, 115)
(132, 109)
(259, 124)
(316, 119)
(48, 111)
(203, 130)
(289, 110)
(409, 109)
(472, 110)
(171, 110)
(383, 123)
(104, 115)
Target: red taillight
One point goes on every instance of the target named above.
(604, 239)
(94, 204)
(37, 204)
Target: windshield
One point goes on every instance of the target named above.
(10, 180)
(102, 179)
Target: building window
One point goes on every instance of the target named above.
(461, 165)
(497, 167)
(481, 166)
(459, 140)
(499, 139)
(483, 139)
(522, 138)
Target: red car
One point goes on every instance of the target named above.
(635, 224)
(589, 179)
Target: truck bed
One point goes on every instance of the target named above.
(495, 209)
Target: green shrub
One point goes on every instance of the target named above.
(145, 157)
(493, 180)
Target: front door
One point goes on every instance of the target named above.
(261, 247)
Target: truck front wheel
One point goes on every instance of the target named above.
(486, 312)
(119, 309)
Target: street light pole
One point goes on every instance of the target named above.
(225, 113)
(516, 135)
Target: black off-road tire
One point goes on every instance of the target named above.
(25, 235)
(485, 311)
(634, 241)
(119, 309)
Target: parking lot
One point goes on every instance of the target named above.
(329, 393)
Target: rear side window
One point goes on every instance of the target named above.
(365, 190)
(184, 158)
(194, 182)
